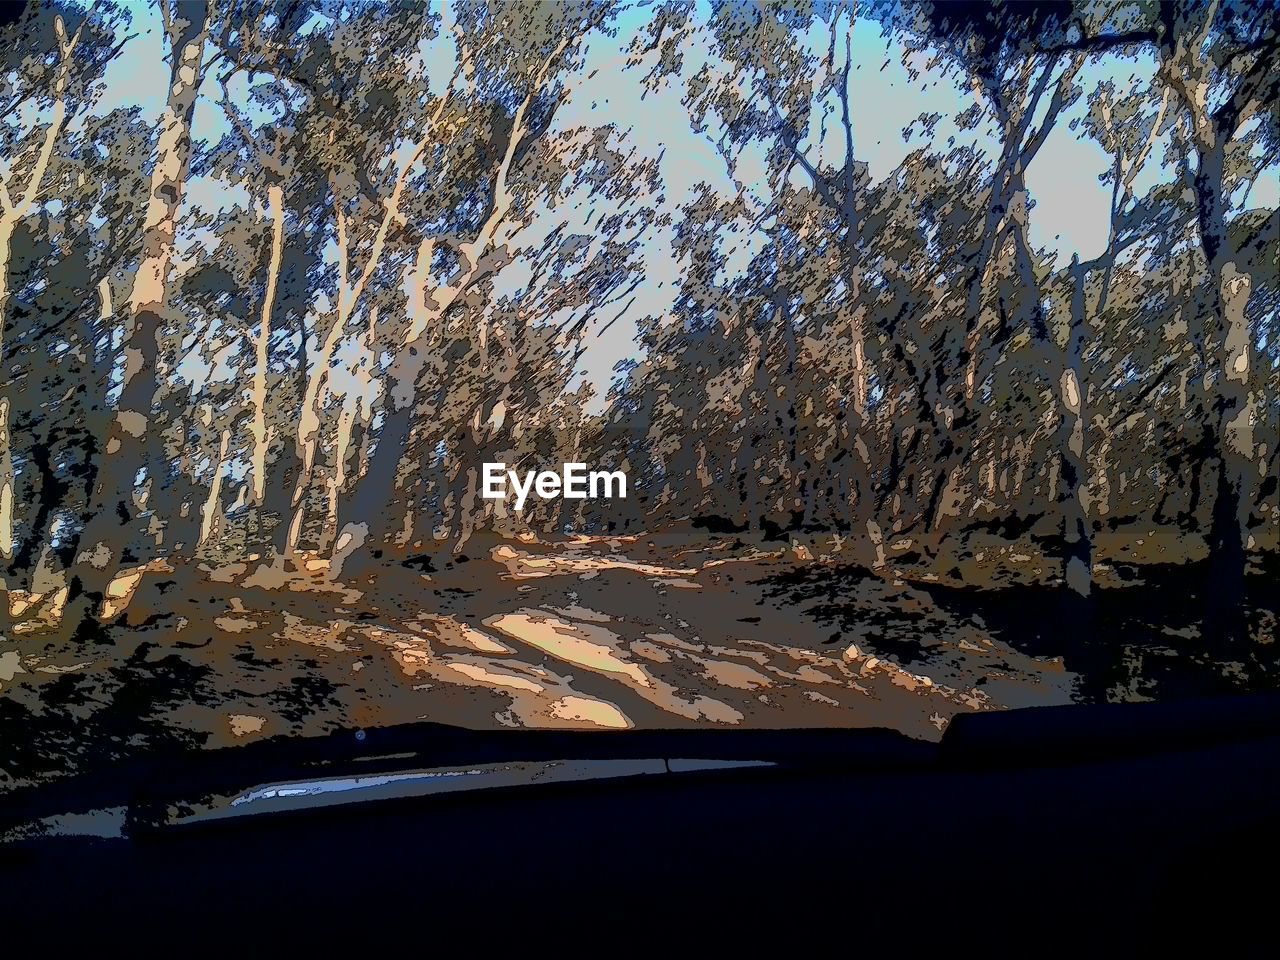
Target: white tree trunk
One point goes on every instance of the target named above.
(128, 435)
(7, 225)
(258, 426)
(211, 512)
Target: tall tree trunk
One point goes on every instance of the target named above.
(349, 293)
(277, 499)
(52, 490)
(13, 207)
(8, 224)
(283, 475)
(211, 514)
(362, 515)
(467, 490)
(1077, 552)
(308, 445)
(262, 352)
(342, 443)
(359, 512)
(310, 420)
(1237, 471)
(426, 315)
(1232, 420)
(129, 431)
(1230, 425)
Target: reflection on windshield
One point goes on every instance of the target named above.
(599, 368)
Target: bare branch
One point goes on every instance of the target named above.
(1056, 104)
(1136, 403)
(58, 116)
(1101, 43)
(349, 294)
(1132, 168)
(1260, 86)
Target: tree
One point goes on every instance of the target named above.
(526, 62)
(130, 442)
(57, 91)
(1228, 55)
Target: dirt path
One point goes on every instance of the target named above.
(607, 634)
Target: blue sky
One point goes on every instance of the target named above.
(1070, 204)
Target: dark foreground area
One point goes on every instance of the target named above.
(1026, 833)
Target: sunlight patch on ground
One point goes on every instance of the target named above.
(583, 645)
(234, 624)
(522, 565)
(493, 678)
(458, 634)
(575, 612)
(536, 696)
(124, 585)
(729, 674)
(604, 652)
(21, 600)
(243, 724)
(595, 712)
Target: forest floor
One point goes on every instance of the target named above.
(653, 631)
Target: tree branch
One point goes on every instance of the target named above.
(58, 117)
(1132, 407)
(1260, 86)
(1101, 43)
(1056, 103)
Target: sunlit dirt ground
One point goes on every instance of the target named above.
(596, 633)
